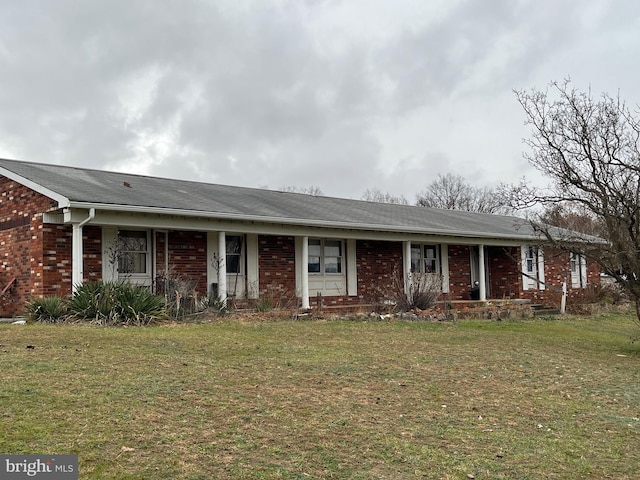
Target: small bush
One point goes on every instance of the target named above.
(424, 289)
(181, 297)
(595, 297)
(110, 303)
(602, 293)
(96, 300)
(216, 306)
(264, 305)
(140, 306)
(276, 298)
(47, 309)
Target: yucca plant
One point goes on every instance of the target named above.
(95, 300)
(138, 305)
(47, 309)
(110, 303)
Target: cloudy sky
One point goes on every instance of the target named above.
(344, 95)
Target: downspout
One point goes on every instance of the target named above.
(77, 267)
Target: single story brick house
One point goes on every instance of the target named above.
(61, 226)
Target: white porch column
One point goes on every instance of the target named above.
(481, 274)
(222, 267)
(406, 267)
(77, 270)
(77, 261)
(304, 273)
(444, 264)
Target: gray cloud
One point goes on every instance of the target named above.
(345, 96)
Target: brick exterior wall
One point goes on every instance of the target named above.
(187, 257)
(92, 252)
(459, 272)
(56, 260)
(505, 281)
(57, 254)
(21, 243)
(376, 264)
(161, 251)
(557, 269)
(276, 267)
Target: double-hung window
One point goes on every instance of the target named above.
(325, 256)
(133, 252)
(424, 259)
(530, 260)
(234, 254)
(532, 268)
(578, 270)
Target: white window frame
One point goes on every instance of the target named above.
(241, 254)
(578, 266)
(236, 281)
(137, 278)
(532, 267)
(323, 282)
(322, 257)
(423, 257)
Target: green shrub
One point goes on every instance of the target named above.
(94, 300)
(110, 303)
(140, 306)
(47, 309)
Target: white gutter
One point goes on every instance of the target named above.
(77, 264)
(294, 221)
(92, 215)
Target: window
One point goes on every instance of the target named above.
(325, 256)
(532, 268)
(424, 259)
(234, 254)
(578, 271)
(133, 251)
(530, 260)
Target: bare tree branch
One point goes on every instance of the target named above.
(589, 150)
(454, 193)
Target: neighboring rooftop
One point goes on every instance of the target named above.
(82, 187)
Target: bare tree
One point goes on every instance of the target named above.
(571, 217)
(589, 150)
(376, 195)
(454, 193)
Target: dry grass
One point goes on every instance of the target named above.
(328, 399)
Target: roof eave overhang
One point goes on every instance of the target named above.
(63, 202)
(298, 221)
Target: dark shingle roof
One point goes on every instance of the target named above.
(101, 188)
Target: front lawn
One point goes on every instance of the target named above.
(237, 398)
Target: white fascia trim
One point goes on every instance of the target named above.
(292, 221)
(63, 201)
